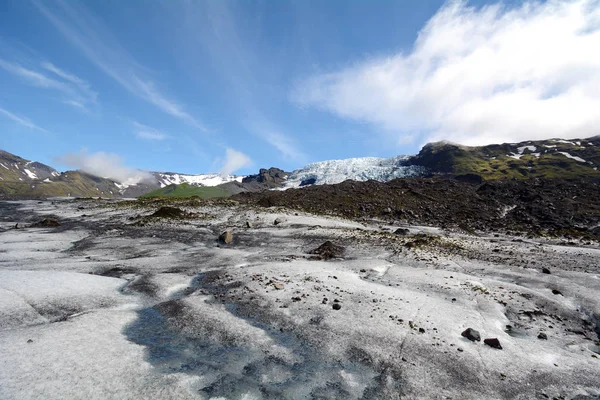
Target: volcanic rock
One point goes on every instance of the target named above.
(471, 334)
(493, 342)
(328, 250)
(47, 223)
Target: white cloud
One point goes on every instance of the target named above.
(22, 120)
(105, 165)
(97, 43)
(147, 133)
(234, 160)
(478, 76)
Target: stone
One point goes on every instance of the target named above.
(327, 251)
(545, 271)
(472, 335)
(401, 231)
(543, 336)
(277, 221)
(226, 237)
(493, 342)
(336, 306)
(557, 292)
(248, 224)
(278, 286)
(47, 223)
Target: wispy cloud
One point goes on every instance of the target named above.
(214, 27)
(479, 75)
(91, 37)
(147, 133)
(83, 86)
(22, 120)
(234, 160)
(78, 92)
(275, 137)
(105, 165)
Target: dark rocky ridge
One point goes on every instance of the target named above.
(272, 176)
(536, 206)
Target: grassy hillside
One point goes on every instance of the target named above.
(187, 190)
(531, 159)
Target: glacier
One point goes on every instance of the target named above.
(358, 169)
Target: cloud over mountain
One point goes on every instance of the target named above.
(478, 76)
(105, 165)
(234, 160)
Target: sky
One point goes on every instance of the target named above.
(233, 86)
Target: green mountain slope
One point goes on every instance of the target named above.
(187, 190)
(532, 159)
(70, 183)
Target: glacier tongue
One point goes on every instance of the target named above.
(358, 169)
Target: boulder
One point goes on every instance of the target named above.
(47, 223)
(327, 251)
(226, 237)
(472, 335)
(401, 231)
(493, 342)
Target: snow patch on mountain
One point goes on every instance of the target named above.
(30, 174)
(165, 179)
(571, 157)
(358, 169)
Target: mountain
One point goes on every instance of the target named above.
(169, 178)
(16, 169)
(70, 183)
(21, 178)
(554, 158)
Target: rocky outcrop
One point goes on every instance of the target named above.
(271, 177)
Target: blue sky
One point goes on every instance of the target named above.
(233, 86)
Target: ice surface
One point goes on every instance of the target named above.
(115, 310)
(358, 169)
